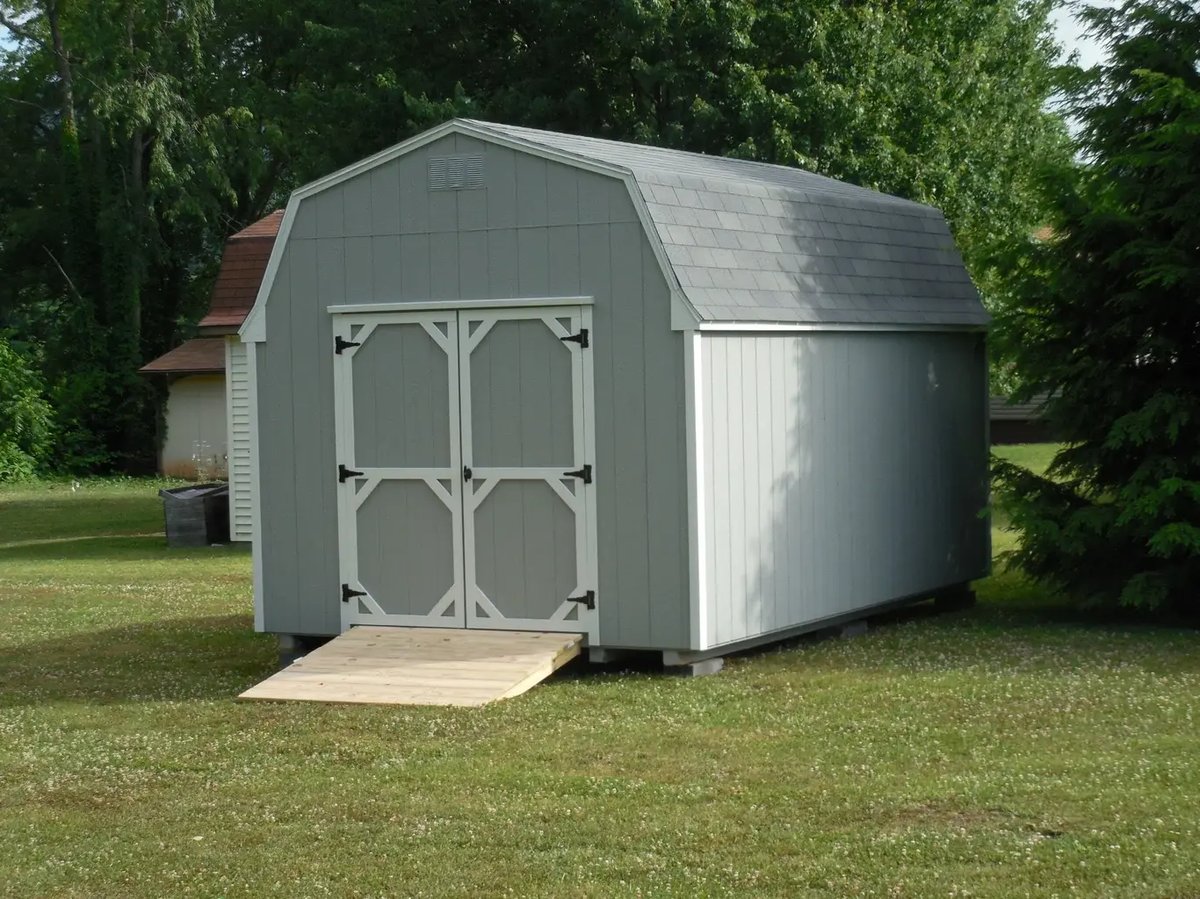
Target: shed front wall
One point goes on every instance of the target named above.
(841, 470)
(537, 229)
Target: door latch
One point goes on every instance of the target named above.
(466, 472)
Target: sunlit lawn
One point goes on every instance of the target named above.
(1034, 456)
(1008, 750)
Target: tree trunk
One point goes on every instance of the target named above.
(67, 82)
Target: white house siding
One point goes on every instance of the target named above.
(841, 470)
(237, 385)
(196, 439)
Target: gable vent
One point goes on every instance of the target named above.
(455, 172)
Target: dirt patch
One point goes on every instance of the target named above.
(943, 814)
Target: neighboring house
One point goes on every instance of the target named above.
(1019, 422)
(195, 442)
(207, 423)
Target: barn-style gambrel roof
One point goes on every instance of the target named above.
(744, 242)
(755, 242)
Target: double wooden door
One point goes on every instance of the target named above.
(467, 487)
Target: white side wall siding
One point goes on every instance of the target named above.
(840, 470)
(237, 402)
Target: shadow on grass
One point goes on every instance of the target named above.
(70, 515)
(211, 658)
(143, 547)
(1011, 597)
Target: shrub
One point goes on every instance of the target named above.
(26, 419)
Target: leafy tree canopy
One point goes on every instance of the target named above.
(1106, 316)
(136, 134)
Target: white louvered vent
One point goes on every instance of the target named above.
(237, 398)
(455, 172)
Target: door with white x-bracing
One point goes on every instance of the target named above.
(467, 480)
(528, 509)
(398, 445)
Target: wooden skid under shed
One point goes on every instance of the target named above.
(421, 666)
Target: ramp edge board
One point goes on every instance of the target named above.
(421, 666)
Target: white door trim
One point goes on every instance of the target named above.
(351, 495)
(448, 305)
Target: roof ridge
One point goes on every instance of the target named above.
(826, 183)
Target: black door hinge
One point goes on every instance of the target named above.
(588, 599)
(581, 338)
(348, 593)
(344, 473)
(340, 343)
(585, 473)
(466, 473)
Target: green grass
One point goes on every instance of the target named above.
(1034, 456)
(1008, 750)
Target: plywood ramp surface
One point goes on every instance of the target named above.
(421, 666)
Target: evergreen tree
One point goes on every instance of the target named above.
(1108, 322)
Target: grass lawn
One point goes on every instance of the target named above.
(1007, 750)
(1034, 456)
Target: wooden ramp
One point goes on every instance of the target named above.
(421, 666)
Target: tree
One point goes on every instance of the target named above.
(136, 134)
(25, 416)
(110, 191)
(1106, 316)
(940, 101)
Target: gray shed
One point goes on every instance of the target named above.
(514, 379)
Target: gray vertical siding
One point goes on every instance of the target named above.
(522, 416)
(522, 413)
(525, 549)
(842, 470)
(401, 400)
(538, 229)
(405, 548)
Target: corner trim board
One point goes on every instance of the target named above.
(255, 487)
(697, 526)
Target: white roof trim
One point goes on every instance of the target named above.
(254, 328)
(777, 327)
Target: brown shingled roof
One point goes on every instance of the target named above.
(243, 265)
(201, 354)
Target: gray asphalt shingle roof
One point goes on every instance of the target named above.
(755, 242)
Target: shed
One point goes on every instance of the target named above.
(513, 379)
(207, 417)
(195, 439)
